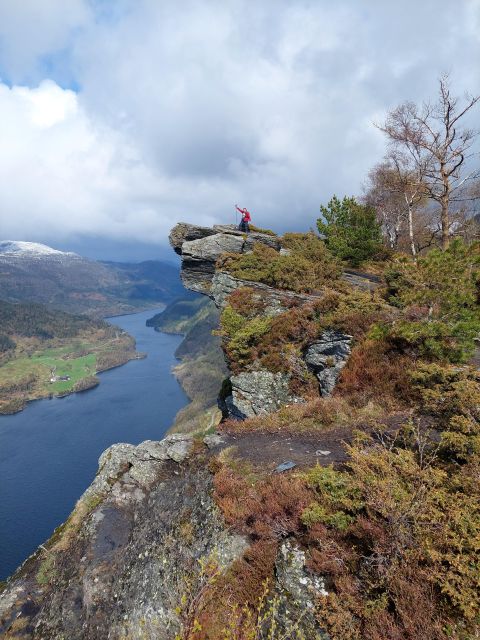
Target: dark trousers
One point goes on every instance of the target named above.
(243, 226)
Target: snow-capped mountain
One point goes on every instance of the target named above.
(28, 250)
(34, 272)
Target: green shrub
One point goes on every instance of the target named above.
(442, 282)
(240, 336)
(434, 339)
(351, 230)
(316, 513)
(452, 396)
(307, 267)
(439, 297)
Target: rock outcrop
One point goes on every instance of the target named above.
(297, 590)
(200, 248)
(130, 551)
(259, 391)
(129, 560)
(275, 300)
(327, 357)
(256, 393)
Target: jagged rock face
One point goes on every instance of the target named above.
(275, 300)
(199, 258)
(327, 357)
(123, 572)
(258, 393)
(200, 247)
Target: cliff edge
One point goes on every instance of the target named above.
(339, 498)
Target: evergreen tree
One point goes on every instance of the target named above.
(351, 230)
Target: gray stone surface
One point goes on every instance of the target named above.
(124, 569)
(327, 357)
(184, 232)
(298, 590)
(258, 393)
(360, 280)
(250, 238)
(213, 440)
(212, 247)
(275, 300)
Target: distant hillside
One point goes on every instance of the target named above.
(36, 321)
(181, 315)
(36, 273)
(202, 368)
(45, 352)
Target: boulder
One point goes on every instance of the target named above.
(327, 357)
(258, 393)
(183, 232)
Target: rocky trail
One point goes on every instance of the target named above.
(268, 450)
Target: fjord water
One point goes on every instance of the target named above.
(49, 451)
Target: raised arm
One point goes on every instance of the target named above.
(238, 209)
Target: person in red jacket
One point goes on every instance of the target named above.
(246, 219)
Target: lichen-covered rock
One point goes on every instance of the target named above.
(327, 357)
(257, 393)
(123, 568)
(200, 247)
(275, 300)
(297, 590)
(183, 232)
(213, 440)
(113, 463)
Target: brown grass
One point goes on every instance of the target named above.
(312, 417)
(372, 373)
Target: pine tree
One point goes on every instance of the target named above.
(351, 230)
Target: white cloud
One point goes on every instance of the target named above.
(62, 174)
(183, 110)
(32, 29)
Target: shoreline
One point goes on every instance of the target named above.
(137, 355)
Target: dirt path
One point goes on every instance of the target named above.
(269, 450)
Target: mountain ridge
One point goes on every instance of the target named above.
(33, 272)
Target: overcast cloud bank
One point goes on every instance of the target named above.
(118, 119)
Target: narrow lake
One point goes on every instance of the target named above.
(49, 451)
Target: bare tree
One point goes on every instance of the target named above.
(410, 181)
(432, 138)
(379, 194)
(397, 189)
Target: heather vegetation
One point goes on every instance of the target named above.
(254, 339)
(305, 266)
(395, 530)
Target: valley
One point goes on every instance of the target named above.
(50, 353)
(33, 272)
